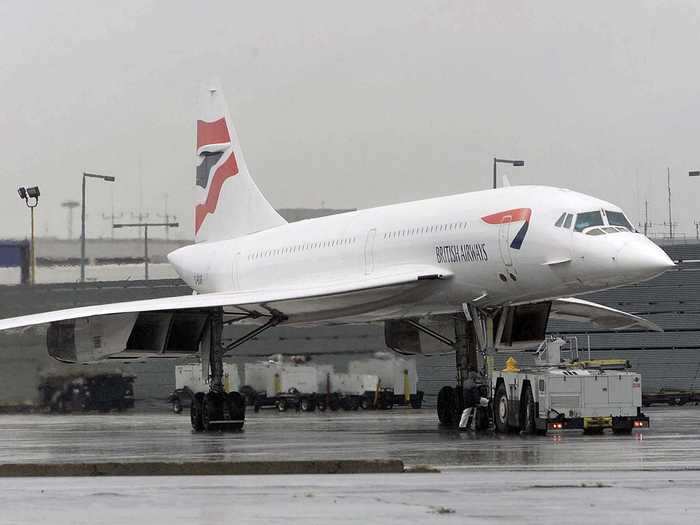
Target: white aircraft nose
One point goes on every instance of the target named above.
(643, 258)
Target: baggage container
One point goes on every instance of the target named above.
(189, 381)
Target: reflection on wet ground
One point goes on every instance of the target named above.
(673, 442)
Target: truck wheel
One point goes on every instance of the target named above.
(282, 405)
(500, 409)
(322, 404)
(388, 403)
(446, 407)
(196, 412)
(365, 404)
(307, 404)
(333, 404)
(527, 411)
(177, 405)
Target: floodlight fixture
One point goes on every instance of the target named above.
(33, 192)
(30, 196)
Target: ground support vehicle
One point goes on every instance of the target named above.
(354, 391)
(189, 381)
(102, 392)
(566, 396)
(283, 401)
(398, 380)
(285, 385)
(670, 397)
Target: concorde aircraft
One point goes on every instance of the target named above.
(503, 261)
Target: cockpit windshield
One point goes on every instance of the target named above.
(616, 218)
(588, 219)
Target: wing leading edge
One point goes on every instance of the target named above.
(303, 303)
(574, 309)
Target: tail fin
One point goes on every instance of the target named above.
(228, 204)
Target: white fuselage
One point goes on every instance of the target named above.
(448, 233)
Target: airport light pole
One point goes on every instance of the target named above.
(145, 226)
(697, 224)
(496, 161)
(31, 198)
(105, 178)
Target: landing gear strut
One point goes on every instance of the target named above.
(469, 361)
(217, 409)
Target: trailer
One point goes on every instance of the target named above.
(85, 392)
(398, 380)
(560, 395)
(670, 397)
(353, 391)
(283, 385)
(189, 381)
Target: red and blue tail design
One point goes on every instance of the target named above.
(515, 215)
(228, 203)
(213, 142)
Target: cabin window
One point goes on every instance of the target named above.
(560, 220)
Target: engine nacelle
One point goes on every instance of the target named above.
(516, 328)
(89, 339)
(127, 336)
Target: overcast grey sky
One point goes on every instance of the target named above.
(355, 104)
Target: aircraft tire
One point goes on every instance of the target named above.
(212, 410)
(446, 407)
(481, 421)
(196, 412)
(235, 403)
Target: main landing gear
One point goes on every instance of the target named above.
(472, 377)
(218, 410)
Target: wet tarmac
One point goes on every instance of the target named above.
(672, 443)
(649, 477)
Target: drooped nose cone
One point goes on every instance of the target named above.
(642, 259)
